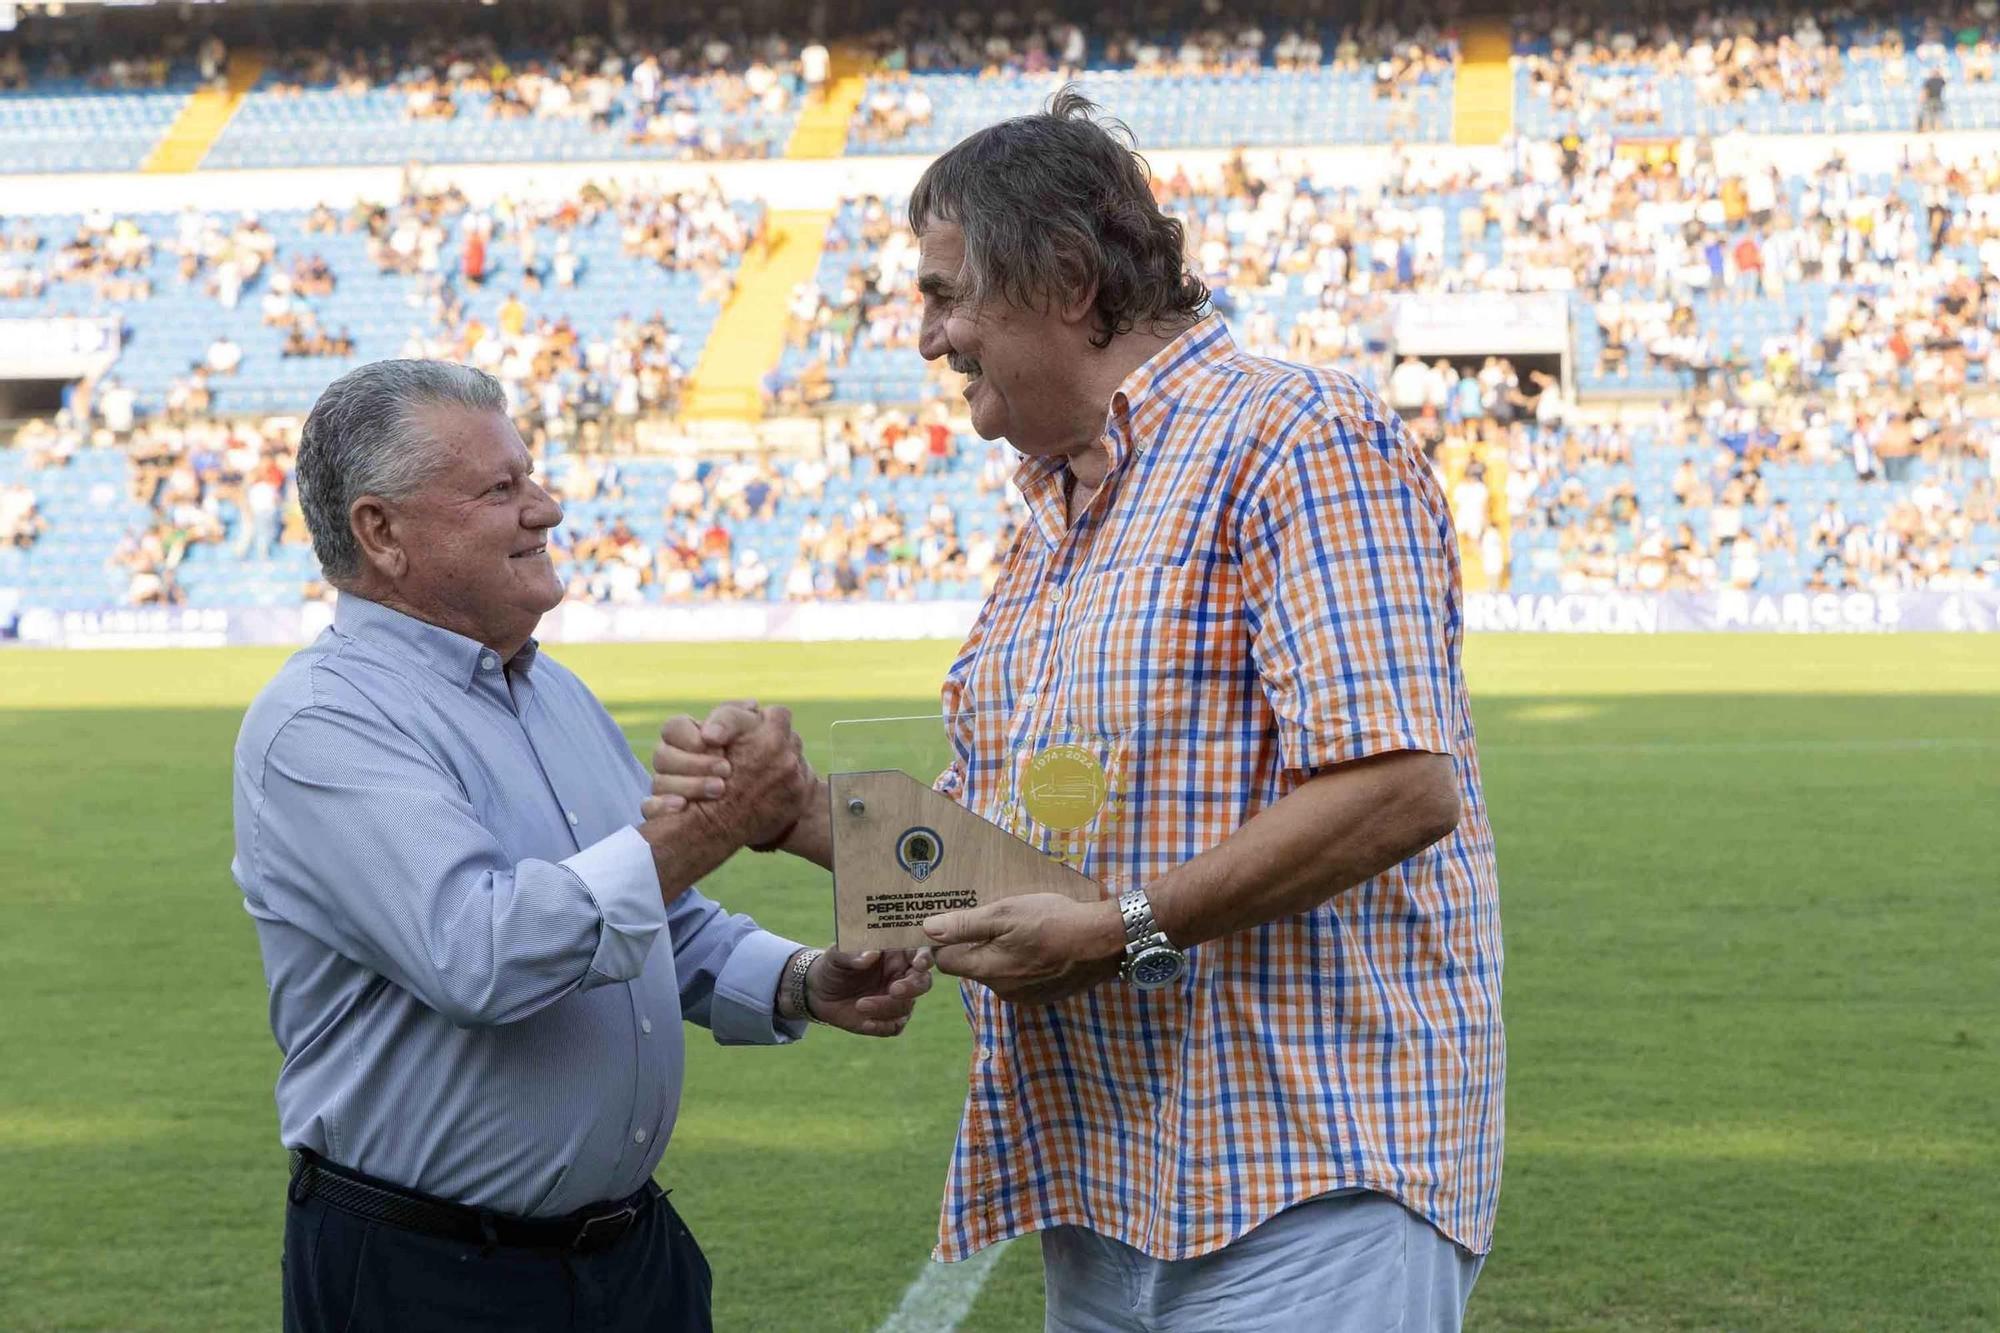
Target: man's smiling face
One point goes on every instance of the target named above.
(477, 533)
(1012, 354)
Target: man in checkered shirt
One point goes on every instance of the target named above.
(1258, 1086)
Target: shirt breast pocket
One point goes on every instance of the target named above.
(1127, 649)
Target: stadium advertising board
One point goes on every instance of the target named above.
(1482, 323)
(1739, 611)
(149, 627)
(814, 622)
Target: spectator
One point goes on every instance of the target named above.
(1930, 111)
(513, 316)
(21, 522)
(224, 356)
(263, 493)
(815, 63)
(117, 403)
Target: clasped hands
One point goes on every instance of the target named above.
(1028, 950)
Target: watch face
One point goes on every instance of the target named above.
(1157, 967)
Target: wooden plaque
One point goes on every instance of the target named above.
(902, 852)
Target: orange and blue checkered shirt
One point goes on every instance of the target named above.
(1265, 586)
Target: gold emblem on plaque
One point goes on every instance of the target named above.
(1064, 787)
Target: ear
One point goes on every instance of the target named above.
(1082, 305)
(377, 533)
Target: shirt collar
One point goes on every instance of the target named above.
(451, 655)
(1141, 405)
(1143, 401)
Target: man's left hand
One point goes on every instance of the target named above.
(870, 993)
(1032, 949)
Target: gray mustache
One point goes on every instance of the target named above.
(964, 365)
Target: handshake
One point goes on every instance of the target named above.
(743, 775)
(740, 779)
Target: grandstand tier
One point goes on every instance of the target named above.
(532, 87)
(1751, 366)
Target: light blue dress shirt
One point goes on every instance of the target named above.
(476, 987)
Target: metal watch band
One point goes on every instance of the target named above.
(795, 1003)
(1140, 929)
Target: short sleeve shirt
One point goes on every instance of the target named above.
(1265, 586)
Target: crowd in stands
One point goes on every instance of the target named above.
(1657, 250)
(110, 257)
(1204, 40)
(201, 483)
(597, 379)
(1700, 496)
(128, 64)
(715, 88)
(227, 485)
(687, 95)
(576, 380)
(544, 63)
(884, 540)
(707, 89)
(1829, 325)
(1005, 45)
(666, 86)
(210, 483)
(891, 503)
(1866, 382)
(873, 306)
(1662, 254)
(857, 530)
(636, 366)
(1594, 66)
(1875, 387)
(1603, 70)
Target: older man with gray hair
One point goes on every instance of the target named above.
(479, 952)
(1258, 1085)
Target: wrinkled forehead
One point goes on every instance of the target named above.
(470, 441)
(940, 249)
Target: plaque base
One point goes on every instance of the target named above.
(903, 852)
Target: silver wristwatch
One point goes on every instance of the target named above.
(1150, 961)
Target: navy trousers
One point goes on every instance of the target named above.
(346, 1274)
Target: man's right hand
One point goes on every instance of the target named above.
(766, 779)
(691, 762)
(764, 796)
(699, 765)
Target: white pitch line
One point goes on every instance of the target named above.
(943, 1294)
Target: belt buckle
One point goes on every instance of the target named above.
(614, 1224)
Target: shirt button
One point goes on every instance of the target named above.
(572, 817)
(489, 661)
(638, 1136)
(646, 1026)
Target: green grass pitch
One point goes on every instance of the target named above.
(1752, 995)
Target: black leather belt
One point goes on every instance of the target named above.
(586, 1230)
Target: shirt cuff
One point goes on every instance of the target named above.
(742, 1012)
(619, 875)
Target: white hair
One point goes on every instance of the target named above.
(365, 437)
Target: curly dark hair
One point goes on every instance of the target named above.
(1054, 202)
